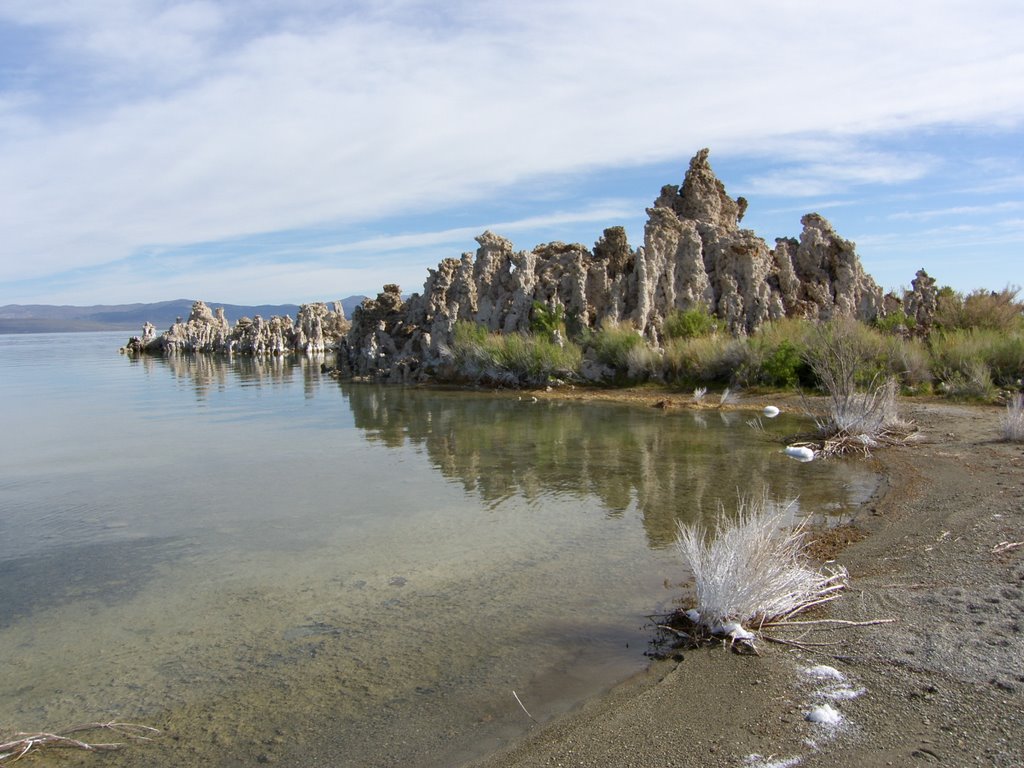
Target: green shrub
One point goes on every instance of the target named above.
(991, 310)
(470, 334)
(689, 323)
(535, 359)
(861, 410)
(472, 346)
(894, 323)
(546, 320)
(783, 365)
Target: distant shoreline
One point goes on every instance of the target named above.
(25, 327)
(130, 318)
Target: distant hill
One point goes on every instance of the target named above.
(49, 318)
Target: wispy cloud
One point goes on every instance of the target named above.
(606, 212)
(959, 210)
(845, 171)
(134, 126)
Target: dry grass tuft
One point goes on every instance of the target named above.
(1013, 422)
(858, 418)
(753, 571)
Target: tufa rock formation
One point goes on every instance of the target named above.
(694, 254)
(315, 330)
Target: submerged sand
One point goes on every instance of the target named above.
(943, 684)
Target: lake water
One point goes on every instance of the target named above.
(274, 567)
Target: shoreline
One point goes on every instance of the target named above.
(943, 684)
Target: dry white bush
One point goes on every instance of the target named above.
(1013, 422)
(856, 418)
(752, 570)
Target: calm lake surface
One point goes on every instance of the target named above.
(273, 567)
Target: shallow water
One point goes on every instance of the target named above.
(271, 566)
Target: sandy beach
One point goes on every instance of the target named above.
(943, 684)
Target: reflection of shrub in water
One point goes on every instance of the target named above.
(621, 457)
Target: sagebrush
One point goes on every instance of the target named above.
(751, 569)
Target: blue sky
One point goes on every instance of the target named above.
(272, 151)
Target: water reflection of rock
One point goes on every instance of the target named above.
(211, 373)
(668, 466)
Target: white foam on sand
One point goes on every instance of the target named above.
(825, 672)
(841, 693)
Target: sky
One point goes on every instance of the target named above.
(287, 151)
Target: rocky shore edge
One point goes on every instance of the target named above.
(943, 554)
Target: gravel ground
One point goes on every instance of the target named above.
(942, 685)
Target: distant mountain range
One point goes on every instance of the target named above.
(48, 318)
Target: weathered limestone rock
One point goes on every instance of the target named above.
(694, 255)
(702, 197)
(829, 277)
(318, 328)
(378, 332)
(202, 332)
(922, 301)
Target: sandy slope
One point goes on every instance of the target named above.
(943, 685)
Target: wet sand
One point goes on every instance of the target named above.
(942, 685)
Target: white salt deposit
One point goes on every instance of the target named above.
(758, 761)
(824, 715)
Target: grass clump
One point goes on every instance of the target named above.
(703, 360)
(612, 343)
(752, 571)
(971, 362)
(512, 359)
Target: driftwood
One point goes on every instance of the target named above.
(21, 744)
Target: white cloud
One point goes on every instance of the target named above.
(959, 210)
(200, 121)
(809, 176)
(464, 236)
